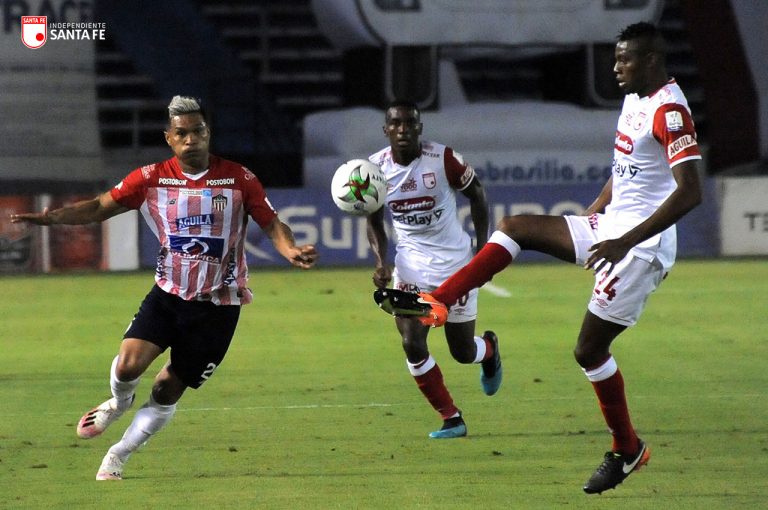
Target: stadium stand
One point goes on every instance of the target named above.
(295, 70)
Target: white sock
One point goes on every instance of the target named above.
(122, 390)
(148, 421)
(480, 354)
(602, 372)
(422, 367)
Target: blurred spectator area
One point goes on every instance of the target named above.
(293, 69)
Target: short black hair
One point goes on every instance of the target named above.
(404, 103)
(638, 30)
(649, 35)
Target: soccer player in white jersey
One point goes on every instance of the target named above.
(422, 181)
(197, 204)
(626, 236)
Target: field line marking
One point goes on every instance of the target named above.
(496, 290)
(397, 404)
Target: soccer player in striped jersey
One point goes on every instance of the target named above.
(197, 204)
(627, 236)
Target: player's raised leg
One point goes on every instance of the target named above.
(545, 234)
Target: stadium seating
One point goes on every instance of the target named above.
(296, 71)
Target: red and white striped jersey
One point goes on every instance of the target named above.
(654, 133)
(201, 224)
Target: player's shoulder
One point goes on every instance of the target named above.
(151, 171)
(229, 173)
(433, 150)
(381, 157)
(669, 94)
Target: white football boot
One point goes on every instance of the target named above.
(111, 468)
(96, 421)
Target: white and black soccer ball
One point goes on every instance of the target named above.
(359, 187)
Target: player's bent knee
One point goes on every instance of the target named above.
(126, 370)
(464, 356)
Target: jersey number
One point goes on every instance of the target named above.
(207, 373)
(607, 289)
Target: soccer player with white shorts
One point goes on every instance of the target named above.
(627, 235)
(423, 179)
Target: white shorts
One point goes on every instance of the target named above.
(619, 297)
(464, 310)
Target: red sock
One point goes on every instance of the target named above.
(492, 259)
(488, 349)
(613, 404)
(432, 386)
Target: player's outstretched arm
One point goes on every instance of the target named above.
(303, 256)
(94, 210)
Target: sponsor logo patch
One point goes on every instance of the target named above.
(209, 249)
(623, 143)
(412, 204)
(467, 175)
(220, 182)
(170, 181)
(679, 145)
(409, 185)
(674, 121)
(194, 221)
(195, 192)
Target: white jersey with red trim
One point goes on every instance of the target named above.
(421, 198)
(654, 133)
(201, 224)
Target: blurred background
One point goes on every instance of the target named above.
(523, 89)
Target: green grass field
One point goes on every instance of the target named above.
(314, 407)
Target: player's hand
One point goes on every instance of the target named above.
(304, 256)
(41, 218)
(381, 277)
(606, 253)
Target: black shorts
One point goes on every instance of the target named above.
(198, 332)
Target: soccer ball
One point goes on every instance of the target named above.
(359, 187)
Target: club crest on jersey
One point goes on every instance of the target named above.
(674, 121)
(429, 180)
(219, 202)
